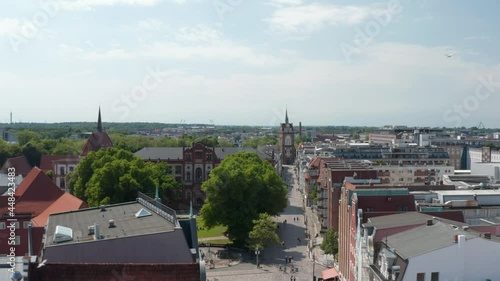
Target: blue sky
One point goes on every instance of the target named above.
(424, 63)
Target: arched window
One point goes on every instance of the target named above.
(62, 171)
(188, 194)
(188, 176)
(288, 140)
(198, 175)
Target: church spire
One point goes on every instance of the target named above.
(99, 122)
(286, 116)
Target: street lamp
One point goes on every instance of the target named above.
(314, 263)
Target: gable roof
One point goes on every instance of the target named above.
(96, 141)
(66, 202)
(36, 192)
(20, 163)
(161, 153)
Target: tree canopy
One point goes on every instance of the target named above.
(113, 175)
(263, 233)
(238, 190)
(255, 142)
(330, 242)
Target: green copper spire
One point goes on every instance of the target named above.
(156, 194)
(286, 116)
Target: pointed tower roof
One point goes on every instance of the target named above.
(286, 116)
(99, 121)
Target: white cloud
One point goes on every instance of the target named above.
(90, 4)
(10, 26)
(198, 33)
(151, 24)
(313, 17)
(193, 43)
(477, 38)
(281, 3)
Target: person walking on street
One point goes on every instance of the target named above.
(286, 259)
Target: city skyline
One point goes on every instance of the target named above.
(353, 63)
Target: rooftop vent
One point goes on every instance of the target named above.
(111, 223)
(465, 227)
(97, 232)
(63, 234)
(487, 235)
(142, 213)
(91, 229)
(429, 222)
(103, 208)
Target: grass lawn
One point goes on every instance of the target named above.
(213, 232)
(220, 241)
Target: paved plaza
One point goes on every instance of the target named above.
(293, 233)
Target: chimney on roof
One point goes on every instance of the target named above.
(111, 223)
(455, 238)
(487, 235)
(430, 222)
(97, 232)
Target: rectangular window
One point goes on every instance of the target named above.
(25, 224)
(2, 225)
(198, 155)
(18, 240)
(188, 156)
(209, 156)
(435, 276)
(178, 170)
(420, 276)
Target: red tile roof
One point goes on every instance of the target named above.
(47, 162)
(97, 141)
(20, 163)
(36, 193)
(66, 202)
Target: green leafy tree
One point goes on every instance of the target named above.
(263, 233)
(300, 139)
(238, 190)
(50, 174)
(114, 175)
(225, 143)
(208, 141)
(330, 242)
(32, 154)
(314, 194)
(255, 142)
(26, 136)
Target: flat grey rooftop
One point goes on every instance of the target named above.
(405, 219)
(426, 239)
(123, 215)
